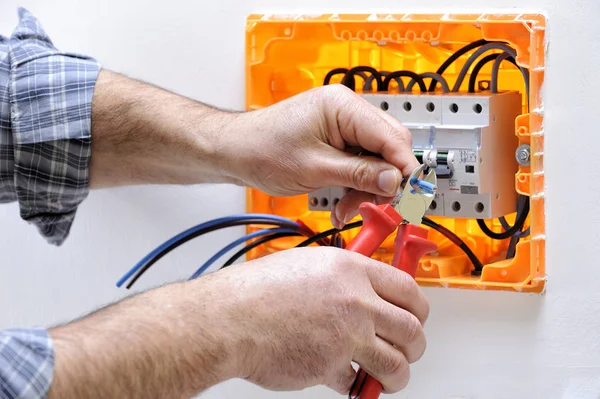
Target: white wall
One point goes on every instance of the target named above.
(481, 344)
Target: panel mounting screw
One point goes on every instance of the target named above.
(523, 155)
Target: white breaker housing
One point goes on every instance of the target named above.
(470, 141)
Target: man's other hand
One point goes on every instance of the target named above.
(299, 317)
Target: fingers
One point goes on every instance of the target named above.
(342, 381)
(347, 207)
(362, 173)
(385, 363)
(401, 329)
(360, 123)
(398, 288)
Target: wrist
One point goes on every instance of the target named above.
(249, 147)
(238, 150)
(222, 145)
(225, 315)
(200, 331)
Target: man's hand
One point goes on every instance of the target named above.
(287, 321)
(301, 144)
(143, 134)
(305, 314)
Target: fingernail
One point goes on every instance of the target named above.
(334, 219)
(339, 217)
(389, 181)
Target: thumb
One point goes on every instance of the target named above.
(362, 173)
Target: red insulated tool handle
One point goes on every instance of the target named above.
(378, 223)
(411, 244)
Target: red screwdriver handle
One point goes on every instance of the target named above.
(378, 223)
(411, 244)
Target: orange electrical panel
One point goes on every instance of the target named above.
(288, 54)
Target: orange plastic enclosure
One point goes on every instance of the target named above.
(289, 54)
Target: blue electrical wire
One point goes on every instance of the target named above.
(191, 231)
(424, 185)
(235, 243)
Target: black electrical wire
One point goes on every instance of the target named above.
(521, 234)
(263, 240)
(508, 233)
(369, 81)
(256, 243)
(514, 230)
(405, 74)
(523, 205)
(506, 51)
(427, 222)
(456, 241)
(512, 247)
(259, 221)
(520, 206)
(483, 62)
(496, 71)
(350, 82)
(459, 53)
(333, 241)
(430, 75)
(361, 378)
(339, 241)
(514, 240)
(338, 71)
(327, 233)
(332, 73)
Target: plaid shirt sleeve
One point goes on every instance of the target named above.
(26, 363)
(45, 141)
(45, 128)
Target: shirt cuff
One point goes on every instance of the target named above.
(26, 363)
(50, 94)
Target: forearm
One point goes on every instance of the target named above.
(142, 134)
(160, 344)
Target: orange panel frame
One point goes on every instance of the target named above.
(288, 54)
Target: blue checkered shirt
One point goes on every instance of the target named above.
(45, 146)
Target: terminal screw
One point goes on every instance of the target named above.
(523, 155)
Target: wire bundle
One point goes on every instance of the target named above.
(285, 228)
(384, 78)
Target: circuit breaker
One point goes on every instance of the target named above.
(468, 139)
(468, 87)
